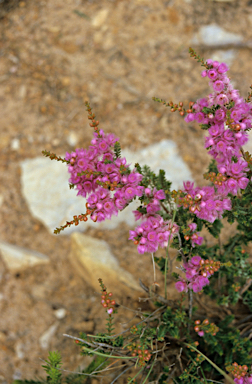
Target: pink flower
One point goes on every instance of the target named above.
(210, 204)
(239, 381)
(212, 74)
(221, 146)
(243, 182)
(152, 236)
(232, 185)
(181, 286)
(220, 116)
(195, 261)
(109, 206)
(130, 193)
(152, 208)
(218, 86)
(214, 130)
(222, 68)
(222, 99)
(192, 226)
(160, 195)
(199, 117)
(189, 117)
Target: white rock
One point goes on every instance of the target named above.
(17, 375)
(18, 258)
(49, 198)
(227, 56)
(45, 339)
(72, 139)
(60, 313)
(15, 144)
(93, 259)
(213, 34)
(248, 146)
(163, 155)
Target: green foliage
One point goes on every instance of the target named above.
(173, 322)
(117, 149)
(81, 14)
(205, 126)
(212, 167)
(150, 179)
(52, 368)
(227, 346)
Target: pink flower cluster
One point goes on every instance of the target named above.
(153, 233)
(196, 278)
(207, 204)
(108, 181)
(227, 123)
(193, 236)
(244, 380)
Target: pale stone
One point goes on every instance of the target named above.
(60, 313)
(45, 339)
(72, 139)
(46, 189)
(22, 91)
(19, 349)
(213, 34)
(17, 375)
(93, 259)
(248, 146)
(15, 144)
(227, 56)
(100, 18)
(18, 258)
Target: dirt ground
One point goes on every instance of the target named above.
(117, 54)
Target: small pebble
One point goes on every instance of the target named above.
(15, 144)
(60, 313)
(72, 139)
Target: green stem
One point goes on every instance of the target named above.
(105, 355)
(149, 371)
(133, 378)
(167, 254)
(203, 375)
(214, 365)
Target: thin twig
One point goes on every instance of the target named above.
(117, 377)
(164, 207)
(179, 359)
(246, 286)
(171, 374)
(157, 297)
